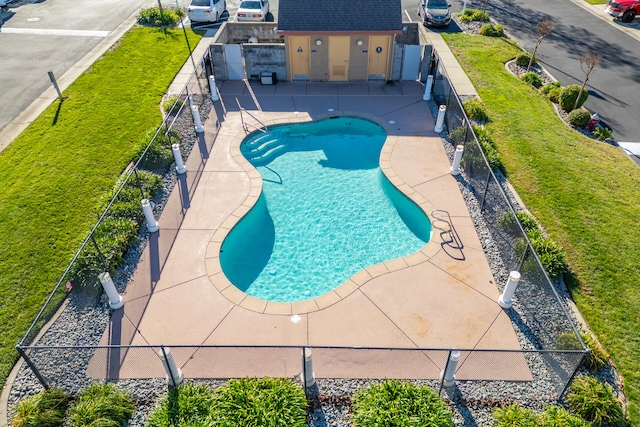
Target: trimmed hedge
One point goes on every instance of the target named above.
(568, 96)
(579, 118)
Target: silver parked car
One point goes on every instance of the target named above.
(253, 10)
(206, 10)
(435, 12)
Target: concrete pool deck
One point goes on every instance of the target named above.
(441, 297)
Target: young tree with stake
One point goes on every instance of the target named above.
(588, 62)
(544, 28)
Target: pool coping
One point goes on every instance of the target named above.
(257, 305)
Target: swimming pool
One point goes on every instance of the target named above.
(326, 211)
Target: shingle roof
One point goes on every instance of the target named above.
(339, 15)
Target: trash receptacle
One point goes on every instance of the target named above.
(268, 78)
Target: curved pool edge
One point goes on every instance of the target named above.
(248, 302)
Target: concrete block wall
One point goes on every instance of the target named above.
(396, 67)
(425, 66)
(217, 59)
(261, 57)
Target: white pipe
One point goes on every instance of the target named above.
(440, 120)
(448, 376)
(213, 88)
(464, 7)
(180, 168)
(307, 373)
(152, 224)
(115, 299)
(174, 374)
(427, 88)
(505, 299)
(455, 167)
(196, 119)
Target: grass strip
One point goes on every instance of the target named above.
(54, 174)
(585, 193)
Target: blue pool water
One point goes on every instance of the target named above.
(325, 213)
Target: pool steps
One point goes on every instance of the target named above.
(263, 149)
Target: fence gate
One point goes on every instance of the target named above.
(411, 62)
(233, 58)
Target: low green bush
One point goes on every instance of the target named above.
(514, 416)
(568, 96)
(475, 110)
(265, 402)
(596, 359)
(186, 405)
(552, 256)
(508, 222)
(532, 78)
(554, 95)
(579, 118)
(105, 405)
(45, 409)
(470, 15)
(602, 133)
(557, 416)
(523, 59)
(458, 135)
(489, 149)
(397, 403)
(159, 155)
(549, 86)
(491, 30)
(595, 402)
(171, 104)
(153, 17)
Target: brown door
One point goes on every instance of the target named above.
(378, 57)
(299, 50)
(339, 58)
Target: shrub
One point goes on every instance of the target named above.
(557, 416)
(508, 222)
(470, 15)
(169, 102)
(491, 30)
(532, 78)
(552, 256)
(554, 95)
(475, 109)
(45, 409)
(159, 155)
(396, 403)
(514, 415)
(579, 118)
(523, 59)
(101, 405)
(568, 96)
(187, 404)
(594, 360)
(489, 149)
(602, 133)
(595, 402)
(549, 86)
(265, 402)
(458, 135)
(154, 18)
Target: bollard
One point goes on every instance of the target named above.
(115, 299)
(447, 376)
(440, 119)
(455, 167)
(427, 88)
(180, 168)
(213, 88)
(190, 99)
(505, 299)
(307, 368)
(196, 119)
(174, 374)
(152, 224)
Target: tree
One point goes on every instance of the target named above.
(588, 62)
(544, 28)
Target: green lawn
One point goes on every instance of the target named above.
(55, 173)
(597, 1)
(585, 193)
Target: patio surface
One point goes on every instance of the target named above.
(441, 297)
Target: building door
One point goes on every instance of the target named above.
(233, 59)
(299, 51)
(339, 51)
(378, 57)
(411, 62)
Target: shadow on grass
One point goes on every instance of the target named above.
(55, 117)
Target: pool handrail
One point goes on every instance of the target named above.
(244, 124)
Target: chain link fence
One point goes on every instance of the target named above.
(538, 315)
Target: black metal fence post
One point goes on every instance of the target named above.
(33, 368)
(446, 365)
(100, 254)
(573, 374)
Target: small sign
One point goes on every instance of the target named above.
(365, 51)
(68, 285)
(313, 51)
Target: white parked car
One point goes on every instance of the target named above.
(253, 10)
(206, 10)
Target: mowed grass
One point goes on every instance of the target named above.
(54, 174)
(585, 193)
(597, 1)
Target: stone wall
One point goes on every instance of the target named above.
(261, 57)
